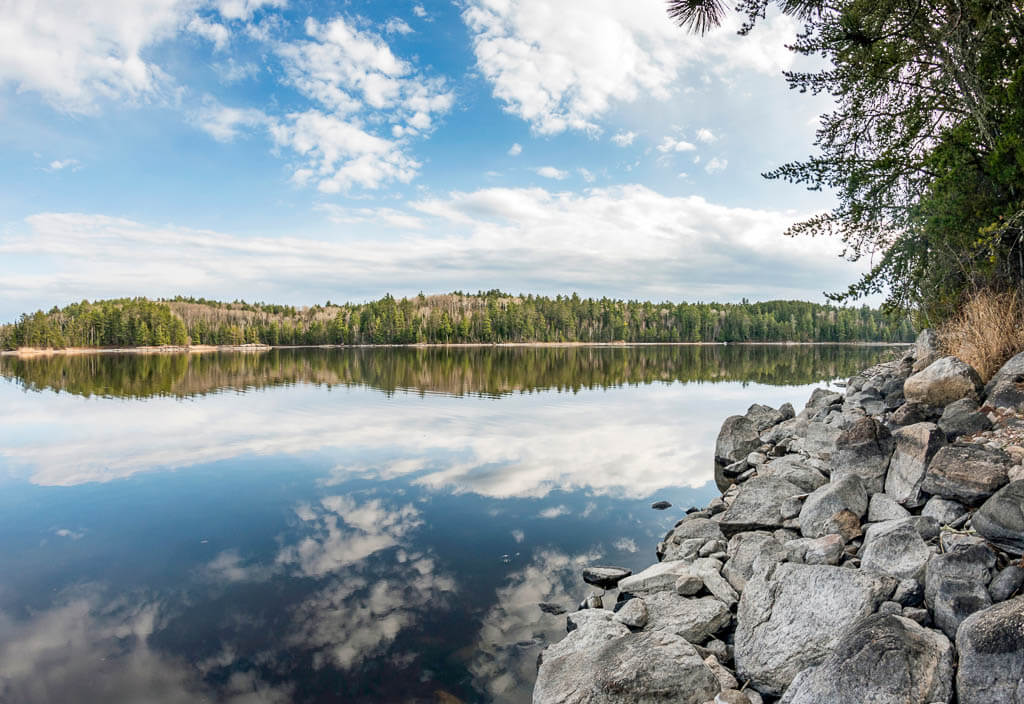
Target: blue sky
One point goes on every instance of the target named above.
(297, 152)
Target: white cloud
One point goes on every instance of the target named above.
(625, 545)
(587, 175)
(224, 123)
(232, 72)
(555, 511)
(624, 139)
(245, 9)
(716, 165)
(705, 135)
(68, 533)
(564, 65)
(396, 25)
(515, 150)
(552, 173)
(211, 31)
(671, 144)
(518, 535)
(75, 54)
(61, 164)
(419, 11)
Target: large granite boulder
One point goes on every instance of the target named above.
(793, 616)
(686, 538)
(695, 619)
(955, 585)
(847, 493)
(758, 505)
(943, 381)
(916, 445)
(963, 418)
(883, 507)
(821, 399)
(1006, 388)
(793, 469)
(744, 549)
(896, 548)
(881, 659)
(990, 644)
(656, 578)
(944, 511)
(764, 417)
(926, 349)
(601, 662)
(966, 473)
(864, 449)
(737, 438)
(1001, 518)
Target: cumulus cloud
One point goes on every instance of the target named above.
(670, 145)
(552, 173)
(226, 123)
(624, 139)
(245, 9)
(419, 11)
(396, 25)
(515, 150)
(563, 65)
(705, 135)
(716, 165)
(554, 511)
(213, 32)
(61, 164)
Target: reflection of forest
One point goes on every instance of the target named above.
(457, 371)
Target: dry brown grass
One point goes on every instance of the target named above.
(988, 331)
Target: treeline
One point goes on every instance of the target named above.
(491, 317)
(455, 371)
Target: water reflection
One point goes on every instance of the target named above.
(315, 540)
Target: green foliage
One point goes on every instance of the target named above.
(486, 317)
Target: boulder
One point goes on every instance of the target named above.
(1006, 388)
(896, 549)
(605, 577)
(758, 505)
(661, 505)
(1001, 518)
(818, 438)
(764, 417)
(943, 381)
(864, 448)
(910, 413)
(926, 527)
(945, 511)
(821, 399)
(700, 530)
(916, 445)
(632, 613)
(963, 418)
(793, 616)
(656, 578)
(743, 549)
(883, 507)
(967, 473)
(1007, 583)
(603, 663)
(881, 659)
(847, 493)
(990, 644)
(795, 470)
(954, 586)
(737, 438)
(696, 620)
(926, 349)
(826, 550)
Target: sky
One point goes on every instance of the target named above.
(297, 152)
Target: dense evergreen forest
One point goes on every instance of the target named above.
(457, 371)
(490, 317)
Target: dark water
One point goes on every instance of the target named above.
(342, 525)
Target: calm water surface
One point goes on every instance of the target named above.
(343, 525)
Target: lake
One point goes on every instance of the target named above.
(356, 525)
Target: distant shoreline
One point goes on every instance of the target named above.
(32, 352)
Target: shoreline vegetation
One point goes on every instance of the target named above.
(483, 318)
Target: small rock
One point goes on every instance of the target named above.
(713, 546)
(916, 445)
(737, 438)
(696, 620)
(966, 473)
(1001, 518)
(847, 493)
(950, 541)
(910, 592)
(963, 418)
(896, 549)
(890, 608)
(910, 414)
(605, 577)
(756, 459)
(917, 615)
(945, 511)
(883, 507)
(795, 470)
(1005, 584)
(864, 448)
(689, 584)
(791, 507)
(731, 696)
(1006, 388)
(764, 417)
(661, 505)
(757, 505)
(632, 614)
(551, 608)
(725, 678)
(945, 380)
(743, 550)
(825, 550)
(926, 349)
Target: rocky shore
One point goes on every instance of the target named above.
(867, 549)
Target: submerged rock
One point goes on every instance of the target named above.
(881, 659)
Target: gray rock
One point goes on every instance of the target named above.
(696, 620)
(792, 617)
(552, 608)
(909, 592)
(825, 550)
(726, 680)
(845, 523)
(661, 505)
(632, 614)
(579, 619)
(963, 418)
(896, 549)
(757, 505)
(954, 586)
(787, 411)
(917, 615)
(1001, 518)
(1006, 388)
(821, 399)
(603, 663)
(926, 349)
(743, 549)
(990, 644)
(950, 541)
(846, 493)
(884, 658)
(1007, 583)
(605, 577)
(713, 546)
(764, 417)
(656, 578)
(689, 584)
(818, 439)
(916, 445)
(910, 413)
(731, 696)
(966, 473)
(791, 507)
(890, 608)
(883, 507)
(795, 470)
(926, 527)
(943, 381)
(693, 527)
(737, 438)
(945, 511)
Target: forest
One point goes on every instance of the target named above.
(485, 317)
